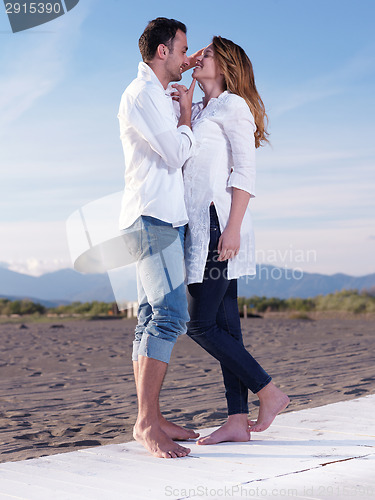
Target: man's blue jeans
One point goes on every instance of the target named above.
(215, 325)
(157, 247)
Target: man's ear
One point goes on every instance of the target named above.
(162, 51)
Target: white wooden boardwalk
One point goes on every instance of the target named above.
(320, 453)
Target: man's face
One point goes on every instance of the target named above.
(177, 57)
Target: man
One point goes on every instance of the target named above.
(153, 217)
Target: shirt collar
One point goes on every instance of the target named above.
(213, 99)
(146, 73)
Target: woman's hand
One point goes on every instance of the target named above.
(193, 60)
(229, 243)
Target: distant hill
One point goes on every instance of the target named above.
(45, 303)
(68, 285)
(285, 283)
(61, 286)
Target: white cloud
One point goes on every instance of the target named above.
(34, 247)
(33, 65)
(280, 158)
(324, 202)
(345, 248)
(334, 83)
(18, 94)
(36, 267)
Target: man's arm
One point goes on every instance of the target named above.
(154, 120)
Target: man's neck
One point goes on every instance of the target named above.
(159, 73)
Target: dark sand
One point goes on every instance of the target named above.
(69, 385)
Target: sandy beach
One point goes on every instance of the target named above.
(69, 384)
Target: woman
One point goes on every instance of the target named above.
(219, 181)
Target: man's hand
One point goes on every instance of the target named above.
(229, 243)
(184, 95)
(185, 98)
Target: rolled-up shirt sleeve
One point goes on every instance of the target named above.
(153, 118)
(239, 127)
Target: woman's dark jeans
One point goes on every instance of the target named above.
(215, 325)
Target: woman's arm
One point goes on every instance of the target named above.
(239, 128)
(193, 60)
(229, 242)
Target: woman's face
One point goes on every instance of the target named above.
(207, 67)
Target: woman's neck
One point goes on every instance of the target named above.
(211, 90)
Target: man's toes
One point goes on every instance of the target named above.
(181, 453)
(182, 450)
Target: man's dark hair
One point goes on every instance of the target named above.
(160, 30)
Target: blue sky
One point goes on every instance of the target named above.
(314, 63)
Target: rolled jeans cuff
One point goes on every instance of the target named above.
(153, 347)
(136, 344)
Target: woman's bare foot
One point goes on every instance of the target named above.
(236, 429)
(272, 401)
(175, 431)
(154, 439)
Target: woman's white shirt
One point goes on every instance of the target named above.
(224, 158)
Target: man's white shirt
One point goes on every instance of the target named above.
(155, 150)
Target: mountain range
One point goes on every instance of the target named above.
(67, 285)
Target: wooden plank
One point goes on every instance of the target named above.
(19, 486)
(353, 479)
(309, 447)
(346, 417)
(44, 484)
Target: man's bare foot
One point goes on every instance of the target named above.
(157, 442)
(175, 431)
(236, 429)
(272, 401)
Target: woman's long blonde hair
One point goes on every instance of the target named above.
(239, 79)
